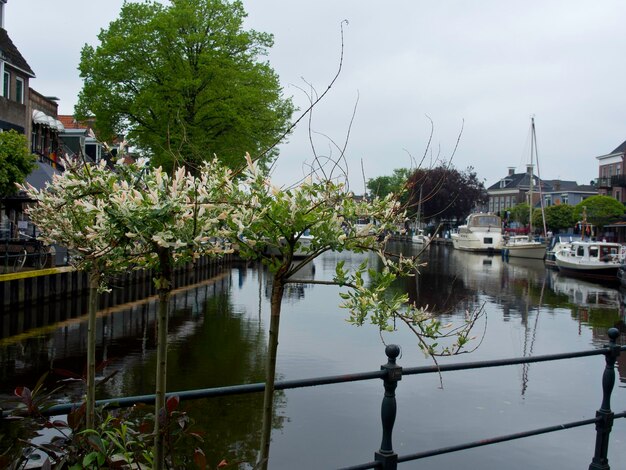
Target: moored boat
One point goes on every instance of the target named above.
(420, 238)
(521, 246)
(592, 259)
(481, 233)
(557, 243)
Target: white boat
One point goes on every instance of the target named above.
(481, 232)
(557, 243)
(592, 259)
(420, 238)
(303, 246)
(519, 246)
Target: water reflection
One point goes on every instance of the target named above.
(218, 337)
(212, 344)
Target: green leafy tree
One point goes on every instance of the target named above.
(381, 186)
(560, 217)
(520, 213)
(600, 210)
(184, 82)
(444, 193)
(16, 162)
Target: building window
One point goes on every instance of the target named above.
(19, 90)
(6, 87)
(548, 200)
(564, 199)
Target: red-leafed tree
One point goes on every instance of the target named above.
(444, 193)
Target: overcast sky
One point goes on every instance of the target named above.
(484, 65)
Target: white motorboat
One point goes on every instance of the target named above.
(557, 243)
(420, 238)
(521, 246)
(593, 259)
(481, 232)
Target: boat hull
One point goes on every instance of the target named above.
(480, 242)
(604, 274)
(594, 260)
(530, 250)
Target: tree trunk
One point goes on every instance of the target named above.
(90, 413)
(270, 371)
(164, 290)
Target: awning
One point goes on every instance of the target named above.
(40, 117)
(52, 123)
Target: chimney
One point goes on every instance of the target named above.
(2, 3)
(511, 170)
(529, 169)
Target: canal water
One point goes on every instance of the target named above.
(218, 336)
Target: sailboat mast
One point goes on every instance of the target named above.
(543, 212)
(531, 177)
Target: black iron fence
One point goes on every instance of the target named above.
(25, 252)
(391, 373)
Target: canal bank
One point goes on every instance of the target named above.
(23, 291)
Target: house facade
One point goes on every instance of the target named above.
(14, 92)
(611, 178)
(45, 141)
(79, 140)
(514, 189)
(567, 192)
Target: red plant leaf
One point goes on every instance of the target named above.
(24, 393)
(76, 416)
(222, 464)
(172, 403)
(145, 427)
(199, 458)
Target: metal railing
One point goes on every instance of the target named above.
(391, 373)
(615, 181)
(17, 254)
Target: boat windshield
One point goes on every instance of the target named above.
(485, 221)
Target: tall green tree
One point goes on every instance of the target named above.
(381, 186)
(559, 217)
(520, 213)
(600, 210)
(16, 162)
(184, 82)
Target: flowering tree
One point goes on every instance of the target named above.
(169, 220)
(269, 223)
(71, 211)
(134, 217)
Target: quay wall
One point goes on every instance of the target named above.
(31, 288)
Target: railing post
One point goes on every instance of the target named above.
(386, 456)
(600, 459)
